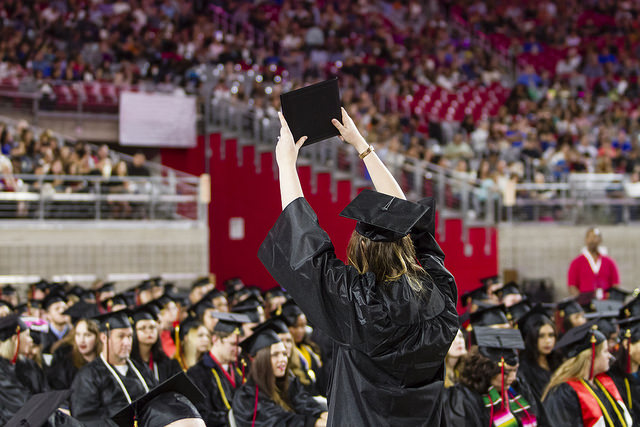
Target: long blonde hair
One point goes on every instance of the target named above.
(8, 348)
(190, 354)
(387, 260)
(572, 368)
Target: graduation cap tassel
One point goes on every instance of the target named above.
(628, 350)
(593, 355)
(255, 409)
(108, 337)
(178, 349)
(15, 355)
(502, 381)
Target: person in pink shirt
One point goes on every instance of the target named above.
(592, 273)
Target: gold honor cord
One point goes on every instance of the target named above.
(224, 397)
(626, 386)
(119, 381)
(613, 403)
(600, 404)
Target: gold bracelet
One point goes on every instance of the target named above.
(366, 152)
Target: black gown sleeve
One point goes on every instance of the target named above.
(563, 407)
(211, 408)
(463, 408)
(86, 398)
(268, 412)
(303, 402)
(32, 376)
(299, 255)
(13, 395)
(61, 372)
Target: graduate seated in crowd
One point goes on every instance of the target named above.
(454, 360)
(487, 393)
(217, 373)
(54, 305)
(624, 371)
(193, 340)
(270, 397)
(580, 388)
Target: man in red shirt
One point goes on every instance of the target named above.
(592, 273)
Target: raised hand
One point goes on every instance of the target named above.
(286, 149)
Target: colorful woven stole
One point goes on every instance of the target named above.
(504, 415)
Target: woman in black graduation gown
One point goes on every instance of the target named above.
(392, 319)
(78, 348)
(488, 381)
(539, 360)
(580, 393)
(13, 393)
(147, 348)
(624, 372)
(271, 397)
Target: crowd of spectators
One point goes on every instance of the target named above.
(578, 115)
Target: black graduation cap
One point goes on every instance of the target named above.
(518, 310)
(632, 308)
(273, 293)
(309, 111)
(276, 324)
(508, 289)
(53, 298)
(186, 325)
(78, 291)
(478, 294)
(82, 310)
(258, 341)
(35, 303)
(488, 316)
(139, 408)
(163, 301)
(568, 307)
(145, 285)
(616, 294)
(41, 285)
(499, 343)
(256, 292)
(383, 218)
(290, 312)
(114, 300)
(8, 290)
(204, 281)
(230, 322)
(38, 409)
(144, 312)
(107, 287)
(607, 305)
(606, 322)
(490, 280)
(199, 308)
(10, 325)
(114, 320)
(233, 285)
(250, 308)
(531, 317)
(578, 339)
(213, 294)
(630, 329)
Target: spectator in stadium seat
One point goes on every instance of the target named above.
(137, 167)
(458, 148)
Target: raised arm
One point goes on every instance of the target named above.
(286, 157)
(382, 179)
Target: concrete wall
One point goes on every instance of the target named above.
(538, 251)
(47, 250)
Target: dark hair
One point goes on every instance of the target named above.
(477, 371)
(157, 353)
(261, 373)
(531, 336)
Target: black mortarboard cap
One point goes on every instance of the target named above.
(186, 325)
(290, 312)
(78, 291)
(38, 409)
(490, 280)
(53, 298)
(199, 308)
(8, 290)
(309, 111)
(478, 294)
(605, 306)
(568, 307)
(250, 308)
(606, 322)
(82, 310)
(114, 320)
(258, 341)
(179, 383)
(145, 285)
(213, 294)
(42, 285)
(531, 317)
(274, 292)
(508, 289)
(498, 343)
(9, 326)
(630, 329)
(144, 312)
(488, 316)
(115, 300)
(35, 303)
(578, 339)
(204, 281)
(518, 310)
(230, 322)
(617, 294)
(233, 285)
(384, 218)
(163, 301)
(276, 324)
(107, 287)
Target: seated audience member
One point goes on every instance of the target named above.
(580, 393)
(146, 346)
(54, 306)
(454, 359)
(569, 314)
(217, 374)
(538, 360)
(269, 397)
(193, 340)
(624, 371)
(273, 300)
(78, 348)
(487, 393)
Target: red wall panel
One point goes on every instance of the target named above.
(239, 189)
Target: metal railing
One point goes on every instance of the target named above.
(95, 198)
